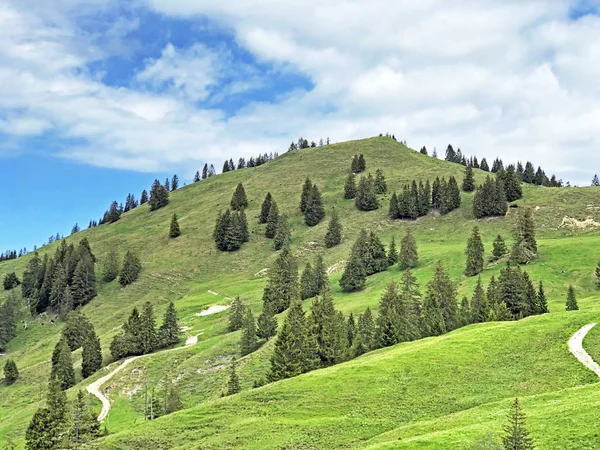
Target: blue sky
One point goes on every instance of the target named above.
(99, 97)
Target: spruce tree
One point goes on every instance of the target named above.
(350, 330)
(542, 303)
(380, 185)
(83, 288)
(283, 235)
(571, 304)
(366, 199)
(512, 288)
(84, 427)
(148, 338)
(272, 220)
(598, 275)
(159, 196)
(111, 265)
(233, 385)
(62, 365)
(197, 176)
(364, 340)
(480, 308)
(355, 273)
(91, 355)
(524, 249)
(174, 230)
(144, 197)
(173, 401)
(47, 426)
(305, 196)
(499, 248)
(169, 332)
(440, 308)
(333, 236)
(248, 340)
(376, 260)
(237, 312)
(468, 184)
(282, 286)
(265, 208)
(328, 329)
(464, 312)
(362, 164)
(314, 211)
(174, 182)
(516, 435)
(267, 323)
(474, 252)
(131, 269)
(511, 184)
(350, 187)
(408, 257)
(394, 210)
(354, 165)
(11, 373)
(307, 282)
(387, 332)
(11, 281)
(392, 254)
(77, 327)
(239, 200)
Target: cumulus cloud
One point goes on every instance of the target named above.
(511, 78)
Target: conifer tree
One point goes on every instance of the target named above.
(392, 254)
(173, 401)
(272, 220)
(355, 273)
(516, 435)
(148, 338)
(464, 313)
(354, 165)
(205, 171)
(408, 257)
(542, 303)
(282, 286)
(306, 193)
(350, 330)
(494, 292)
(144, 197)
(362, 164)
(366, 200)
(307, 285)
(169, 332)
(174, 182)
(440, 308)
(167, 185)
(499, 248)
(524, 249)
(595, 181)
(598, 275)
(512, 288)
(529, 173)
(91, 354)
(364, 340)
(159, 196)
(394, 210)
(529, 296)
(376, 259)
(484, 165)
(380, 185)
(197, 176)
(11, 373)
(314, 211)
(45, 431)
(283, 234)
(131, 269)
(387, 332)
(83, 288)
(59, 284)
(84, 427)
(469, 181)
(436, 193)
(571, 300)
(11, 281)
(248, 340)
(511, 184)
(233, 385)
(265, 208)
(328, 328)
(292, 355)
(350, 187)
(174, 230)
(8, 320)
(480, 308)
(474, 252)
(239, 200)
(333, 236)
(62, 365)
(111, 265)
(77, 327)
(237, 313)
(267, 323)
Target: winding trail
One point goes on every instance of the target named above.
(96, 387)
(576, 347)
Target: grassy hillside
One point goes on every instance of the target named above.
(186, 269)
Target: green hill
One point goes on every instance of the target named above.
(426, 391)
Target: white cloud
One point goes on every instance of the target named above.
(511, 78)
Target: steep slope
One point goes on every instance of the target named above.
(190, 271)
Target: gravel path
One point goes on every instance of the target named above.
(96, 387)
(576, 347)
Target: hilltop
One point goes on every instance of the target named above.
(404, 391)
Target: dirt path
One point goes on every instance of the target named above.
(576, 347)
(96, 387)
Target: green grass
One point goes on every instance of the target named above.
(185, 269)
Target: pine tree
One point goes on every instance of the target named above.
(333, 236)
(131, 269)
(159, 196)
(542, 303)
(350, 187)
(239, 200)
(499, 248)
(233, 385)
(169, 332)
(174, 230)
(516, 435)
(265, 208)
(524, 249)
(272, 220)
(380, 185)
(248, 340)
(408, 251)
(392, 254)
(307, 284)
(366, 199)
(364, 340)
(111, 265)
(91, 355)
(282, 286)
(571, 300)
(306, 193)
(11, 373)
(62, 365)
(474, 252)
(84, 427)
(328, 328)
(148, 338)
(314, 211)
(480, 308)
(469, 181)
(283, 235)
(267, 323)
(237, 313)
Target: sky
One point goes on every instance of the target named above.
(100, 97)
